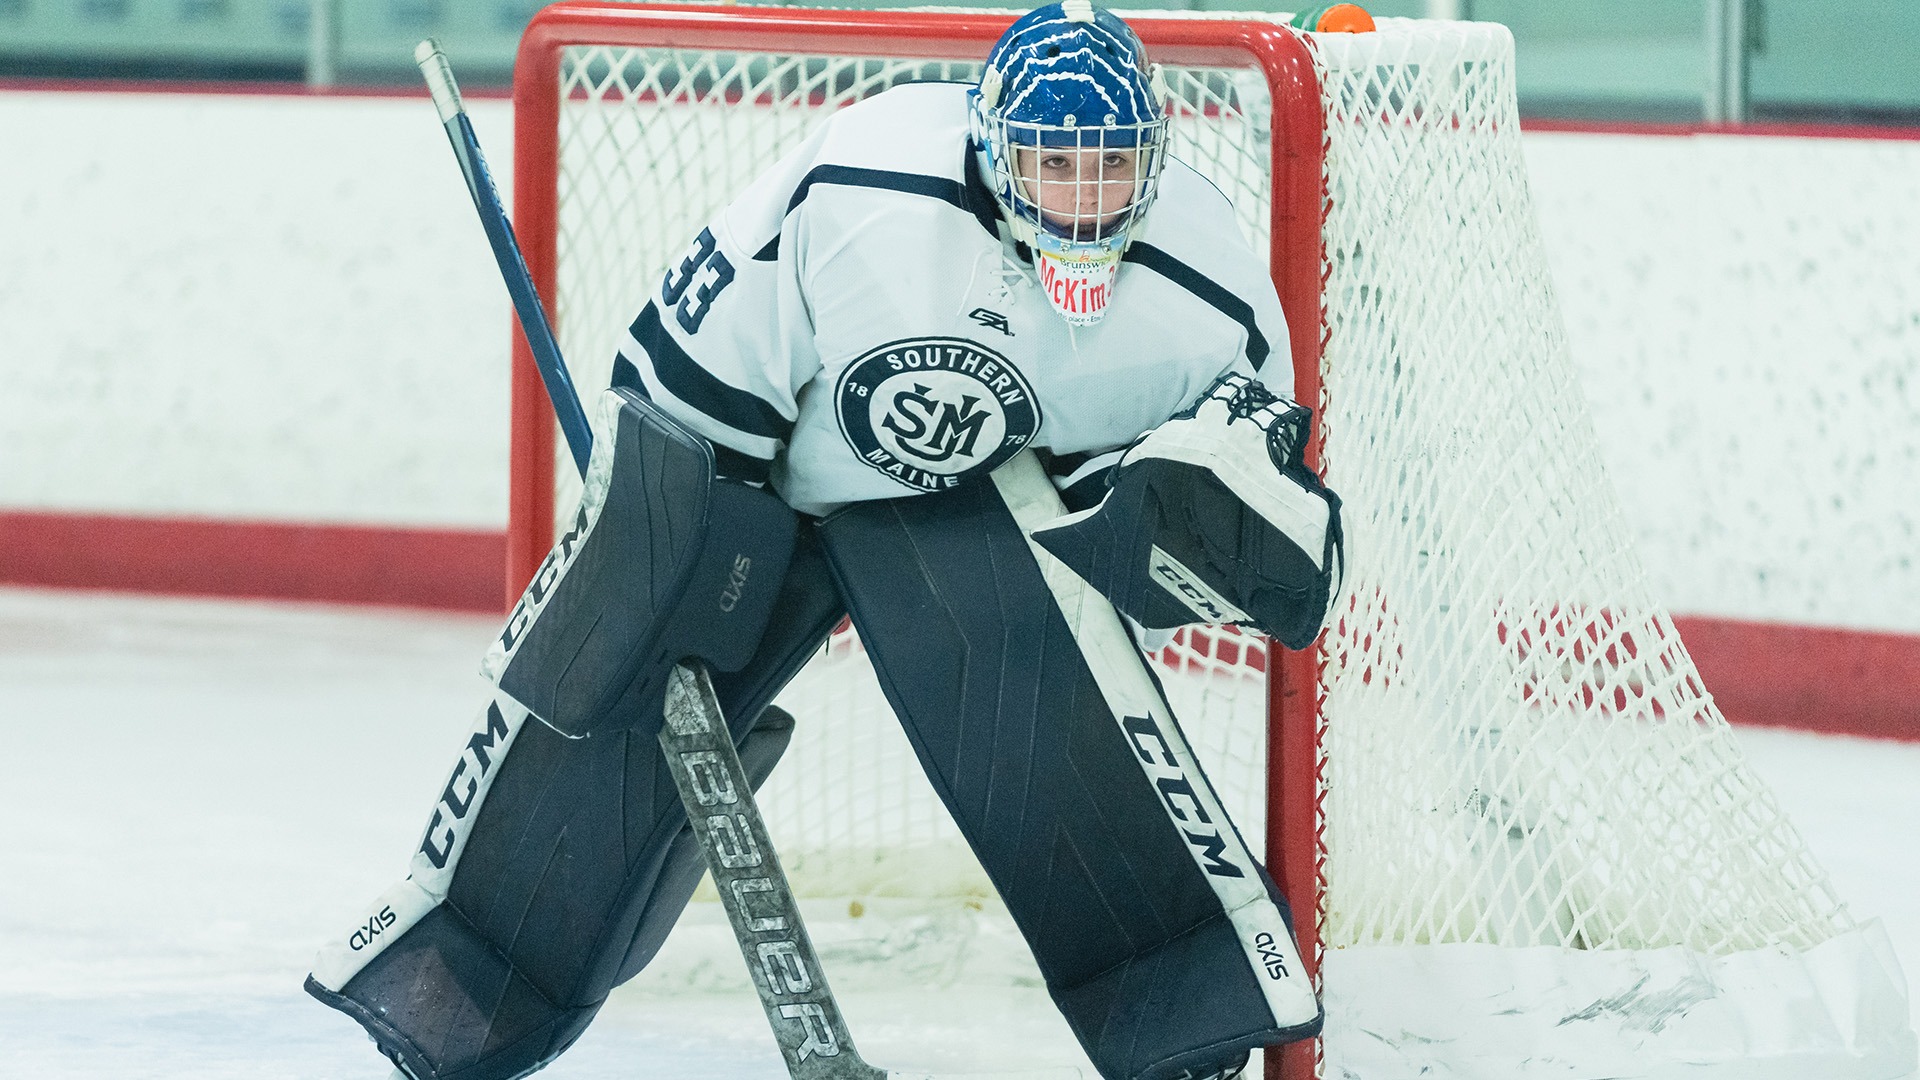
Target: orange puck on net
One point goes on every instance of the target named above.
(1335, 19)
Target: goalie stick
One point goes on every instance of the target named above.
(703, 761)
(752, 886)
(506, 250)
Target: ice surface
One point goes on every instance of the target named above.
(193, 794)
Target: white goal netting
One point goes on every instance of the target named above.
(1542, 853)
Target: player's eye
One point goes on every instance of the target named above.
(1056, 163)
(1114, 162)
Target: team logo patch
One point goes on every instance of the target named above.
(931, 412)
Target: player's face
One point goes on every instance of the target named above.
(1081, 191)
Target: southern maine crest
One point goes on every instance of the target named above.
(931, 412)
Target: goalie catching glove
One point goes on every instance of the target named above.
(1213, 518)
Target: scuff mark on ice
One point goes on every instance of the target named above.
(1638, 1008)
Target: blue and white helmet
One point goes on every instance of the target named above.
(1071, 122)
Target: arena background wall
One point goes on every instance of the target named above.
(253, 344)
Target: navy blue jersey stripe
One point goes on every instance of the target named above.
(934, 187)
(685, 379)
(980, 201)
(735, 465)
(1206, 289)
(1058, 465)
(727, 461)
(971, 195)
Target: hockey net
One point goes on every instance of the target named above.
(1520, 836)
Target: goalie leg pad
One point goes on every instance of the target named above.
(561, 878)
(663, 562)
(1098, 862)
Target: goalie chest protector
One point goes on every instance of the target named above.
(855, 325)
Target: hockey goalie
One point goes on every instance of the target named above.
(986, 370)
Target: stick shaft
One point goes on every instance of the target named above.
(506, 252)
(753, 888)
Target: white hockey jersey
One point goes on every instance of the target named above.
(857, 325)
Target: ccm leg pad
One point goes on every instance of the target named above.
(664, 561)
(1100, 864)
(551, 869)
(502, 1022)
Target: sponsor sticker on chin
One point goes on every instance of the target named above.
(1079, 290)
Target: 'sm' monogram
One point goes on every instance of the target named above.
(954, 431)
(928, 412)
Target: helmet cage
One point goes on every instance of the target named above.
(1081, 207)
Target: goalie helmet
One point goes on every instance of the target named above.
(1070, 121)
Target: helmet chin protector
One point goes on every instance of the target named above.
(1071, 125)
